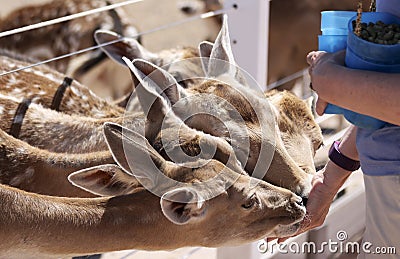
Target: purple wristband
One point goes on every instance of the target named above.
(341, 160)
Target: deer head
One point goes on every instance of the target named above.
(195, 193)
(251, 134)
(300, 134)
(222, 92)
(181, 62)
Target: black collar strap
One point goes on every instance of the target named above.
(58, 96)
(19, 117)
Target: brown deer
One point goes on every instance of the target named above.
(300, 134)
(261, 207)
(187, 70)
(292, 111)
(240, 99)
(66, 37)
(23, 160)
(40, 226)
(279, 157)
(30, 168)
(55, 131)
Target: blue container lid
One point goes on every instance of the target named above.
(336, 19)
(373, 52)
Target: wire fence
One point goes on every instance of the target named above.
(102, 9)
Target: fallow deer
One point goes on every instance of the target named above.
(72, 226)
(300, 133)
(22, 161)
(290, 170)
(237, 97)
(294, 117)
(291, 111)
(40, 171)
(63, 38)
(38, 226)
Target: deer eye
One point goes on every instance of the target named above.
(250, 202)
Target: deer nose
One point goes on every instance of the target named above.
(301, 200)
(304, 200)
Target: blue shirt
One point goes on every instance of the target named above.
(389, 6)
(379, 150)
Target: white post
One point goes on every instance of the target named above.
(248, 28)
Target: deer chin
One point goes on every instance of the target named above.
(286, 230)
(304, 188)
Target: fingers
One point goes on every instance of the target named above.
(320, 106)
(313, 56)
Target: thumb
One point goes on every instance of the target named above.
(320, 106)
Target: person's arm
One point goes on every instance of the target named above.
(326, 183)
(372, 93)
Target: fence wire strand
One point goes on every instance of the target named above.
(66, 18)
(162, 27)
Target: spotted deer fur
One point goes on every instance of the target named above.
(63, 38)
(40, 84)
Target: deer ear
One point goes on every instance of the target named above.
(221, 55)
(127, 47)
(183, 205)
(105, 180)
(221, 59)
(134, 154)
(156, 78)
(156, 92)
(205, 49)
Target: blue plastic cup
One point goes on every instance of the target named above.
(334, 27)
(334, 30)
(335, 22)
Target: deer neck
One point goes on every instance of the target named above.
(30, 169)
(51, 130)
(57, 132)
(91, 225)
(43, 85)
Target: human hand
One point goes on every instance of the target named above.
(321, 63)
(326, 184)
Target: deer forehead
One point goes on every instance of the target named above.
(168, 57)
(295, 117)
(245, 101)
